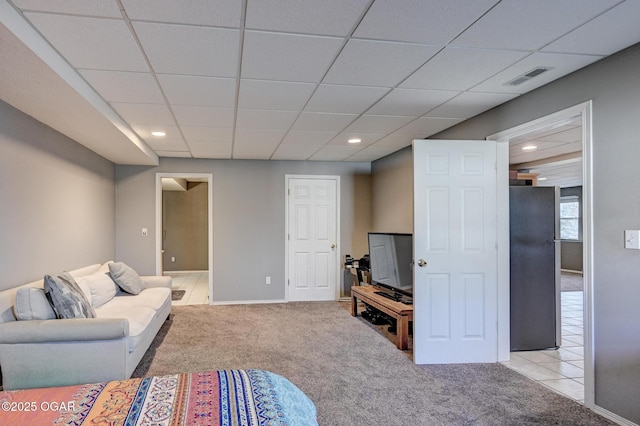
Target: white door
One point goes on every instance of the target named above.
(312, 238)
(455, 249)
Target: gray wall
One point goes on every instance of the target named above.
(57, 202)
(248, 218)
(392, 189)
(185, 228)
(614, 86)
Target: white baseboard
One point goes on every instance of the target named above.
(185, 272)
(571, 271)
(613, 416)
(246, 302)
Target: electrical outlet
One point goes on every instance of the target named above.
(267, 280)
(173, 258)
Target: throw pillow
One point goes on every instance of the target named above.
(101, 287)
(32, 304)
(66, 298)
(126, 277)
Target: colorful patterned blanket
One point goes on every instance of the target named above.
(226, 397)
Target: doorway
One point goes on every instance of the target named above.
(312, 234)
(571, 120)
(184, 237)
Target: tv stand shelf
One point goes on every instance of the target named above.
(401, 312)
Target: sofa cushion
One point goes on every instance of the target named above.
(126, 278)
(139, 318)
(154, 298)
(101, 286)
(32, 304)
(66, 297)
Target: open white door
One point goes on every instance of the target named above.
(455, 249)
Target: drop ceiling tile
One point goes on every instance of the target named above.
(265, 119)
(344, 99)
(295, 152)
(200, 91)
(427, 126)
(203, 116)
(378, 123)
(220, 13)
(210, 149)
(527, 25)
(180, 49)
(144, 113)
(327, 17)
(552, 151)
(320, 121)
(91, 43)
(371, 153)
(396, 141)
(561, 65)
(459, 69)
(144, 131)
(290, 57)
(367, 138)
(434, 22)
(253, 151)
(411, 102)
(279, 95)
(469, 104)
(377, 63)
(168, 143)
(620, 25)
(116, 86)
(258, 136)
(334, 153)
(173, 154)
(299, 137)
(97, 8)
(207, 134)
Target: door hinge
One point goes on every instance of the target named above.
(288, 191)
(288, 237)
(288, 282)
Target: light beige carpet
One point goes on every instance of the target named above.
(352, 372)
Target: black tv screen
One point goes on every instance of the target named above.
(391, 261)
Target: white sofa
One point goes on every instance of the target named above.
(58, 352)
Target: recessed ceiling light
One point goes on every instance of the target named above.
(159, 133)
(529, 147)
(354, 140)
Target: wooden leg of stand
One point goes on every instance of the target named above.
(402, 330)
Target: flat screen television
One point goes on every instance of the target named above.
(391, 262)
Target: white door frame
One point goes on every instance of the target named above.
(287, 178)
(209, 178)
(584, 111)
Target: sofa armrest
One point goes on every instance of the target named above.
(151, 281)
(63, 330)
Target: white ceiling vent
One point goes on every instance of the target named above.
(528, 76)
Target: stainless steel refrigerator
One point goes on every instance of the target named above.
(535, 267)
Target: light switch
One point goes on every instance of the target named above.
(145, 232)
(632, 239)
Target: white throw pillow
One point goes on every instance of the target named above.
(101, 286)
(32, 304)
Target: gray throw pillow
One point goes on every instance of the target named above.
(32, 304)
(66, 298)
(126, 278)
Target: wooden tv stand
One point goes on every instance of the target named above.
(401, 312)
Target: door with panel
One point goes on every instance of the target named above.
(455, 247)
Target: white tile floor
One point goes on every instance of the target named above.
(561, 370)
(195, 285)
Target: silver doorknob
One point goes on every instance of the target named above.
(422, 263)
(333, 246)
